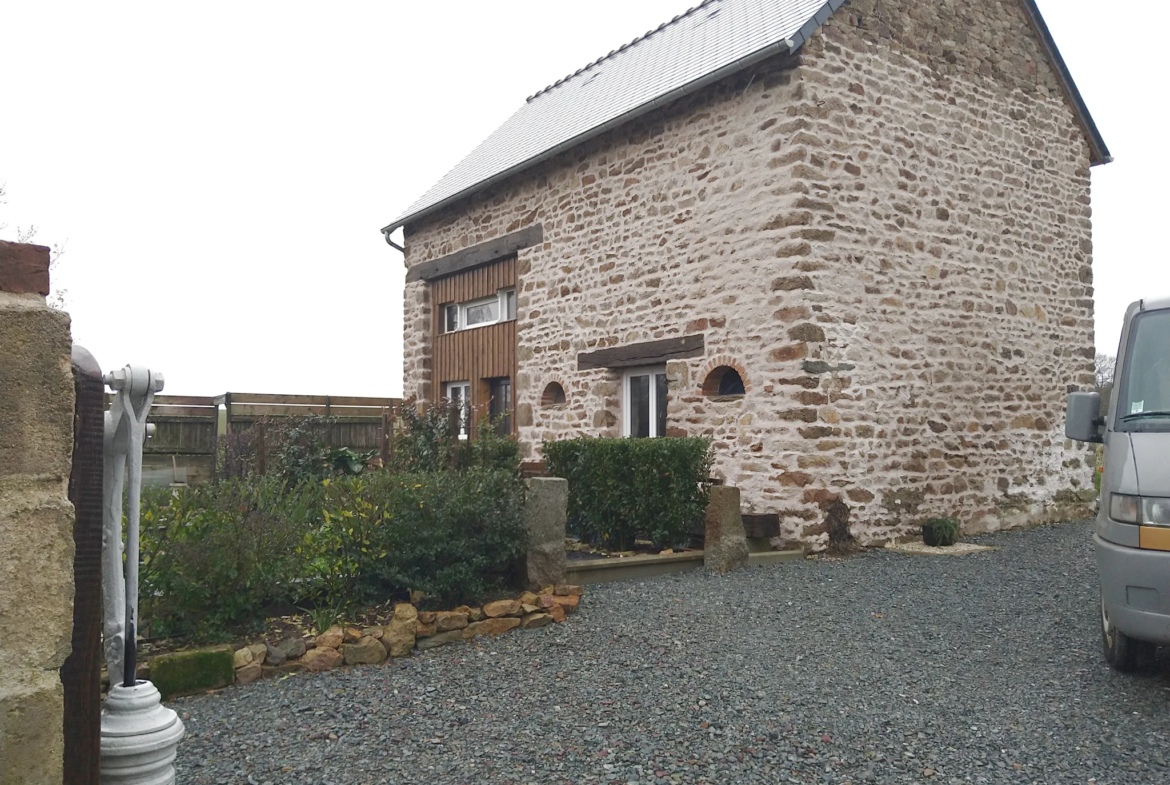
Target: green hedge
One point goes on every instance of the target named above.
(623, 489)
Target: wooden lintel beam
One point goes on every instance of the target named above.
(645, 353)
(477, 255)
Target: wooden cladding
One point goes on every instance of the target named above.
(480, 353)
(477, 255)
(472, 285)
(476, 354)
(645, 353)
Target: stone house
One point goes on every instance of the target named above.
(849, 241)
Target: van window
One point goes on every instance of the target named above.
(1144, 402)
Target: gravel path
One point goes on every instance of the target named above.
(883, 668)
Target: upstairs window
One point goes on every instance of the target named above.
(500, 307)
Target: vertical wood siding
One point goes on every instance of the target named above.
(479, 353)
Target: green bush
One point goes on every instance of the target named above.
(295, 448)
(446, 520)
(429, 442)
(622, 489)
(942, 532)
(213, 556)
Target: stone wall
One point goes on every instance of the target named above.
(888, 237)
(945, 299)
(36, 518)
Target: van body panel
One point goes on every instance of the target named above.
(1120, 475)
(1135, 587)
(1125, 534)
(1151, 457)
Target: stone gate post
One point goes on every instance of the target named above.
(36, 518)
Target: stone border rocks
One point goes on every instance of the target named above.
(409, 630)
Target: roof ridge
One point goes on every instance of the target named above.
(621, 49)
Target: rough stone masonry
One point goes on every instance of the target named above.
(36, 518)
(888, 236)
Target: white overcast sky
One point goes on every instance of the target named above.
(219, 171)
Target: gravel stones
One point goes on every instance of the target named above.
(982, 669)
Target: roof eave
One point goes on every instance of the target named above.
(788, 46)
(1098, 150)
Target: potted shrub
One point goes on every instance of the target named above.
(940, 532)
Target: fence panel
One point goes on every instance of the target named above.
(188, 428)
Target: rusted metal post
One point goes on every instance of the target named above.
(81, 673)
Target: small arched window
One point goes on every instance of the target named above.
(723, 381)
(554, 395)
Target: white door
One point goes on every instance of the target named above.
(459, 394)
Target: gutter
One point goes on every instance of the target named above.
(788, 46)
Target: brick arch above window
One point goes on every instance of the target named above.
(553, 394)
(718, 378)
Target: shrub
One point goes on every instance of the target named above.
(294, 448)
(429, 442)
(456, 538)
(215, 557)
(940, 531)
(622, 489)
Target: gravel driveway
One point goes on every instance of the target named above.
(881, 668)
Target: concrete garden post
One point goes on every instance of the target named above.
(725, 546)
(545, 510)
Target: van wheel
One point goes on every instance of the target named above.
(1122, 652)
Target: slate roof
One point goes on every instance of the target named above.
(707, 43)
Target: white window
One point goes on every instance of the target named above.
(459, 394)
(508, 298)
(480, 312)
(500, 307)
(644, 402)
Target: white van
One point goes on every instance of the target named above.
(1133, 526)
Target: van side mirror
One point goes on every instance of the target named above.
(1084, 417)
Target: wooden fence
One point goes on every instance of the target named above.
(187, 428)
